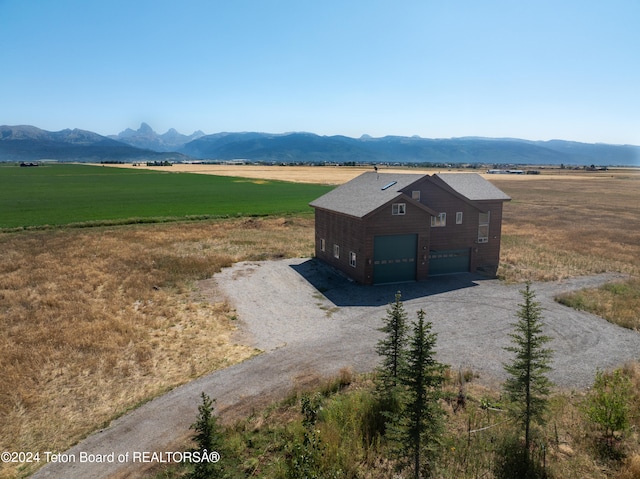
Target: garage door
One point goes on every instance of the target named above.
(394, 258)
(449, 261)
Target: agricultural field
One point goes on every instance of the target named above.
(98, 319)
(329, 175)
(84, 195)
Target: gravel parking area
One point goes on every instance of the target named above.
(311, 322)
(302, 304)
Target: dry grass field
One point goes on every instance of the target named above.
(329, 175)
(97, 320)
(561, 226)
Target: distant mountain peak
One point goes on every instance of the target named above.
(146, 137)
(146, 129)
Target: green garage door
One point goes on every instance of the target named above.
(449, 261)
(394, 258)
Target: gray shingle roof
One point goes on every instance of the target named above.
(472, 186)
(371, 190)
(365, 193)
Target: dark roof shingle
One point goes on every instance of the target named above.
(472, 186)
(369, 191)
(365, 193)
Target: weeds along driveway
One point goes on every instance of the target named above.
(310, 322)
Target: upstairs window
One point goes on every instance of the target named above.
(322, 244)
(336, 251)
(439, 220)
(415, 195)
(352, 259)
(459, 218)
(398, 208)
(483, 227)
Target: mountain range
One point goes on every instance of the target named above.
(147, 139)
(28, 143)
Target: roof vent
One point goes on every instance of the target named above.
(388, 185)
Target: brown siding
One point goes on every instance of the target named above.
(487, 255)
(484, 257)
(347, 233)
(357, 235)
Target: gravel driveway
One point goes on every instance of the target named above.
(303, 304)
(310, 322)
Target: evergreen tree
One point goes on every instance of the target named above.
(392, 347)
(422, 376)
(208, 438)
(527, 386)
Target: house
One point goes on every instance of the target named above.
(386, 227)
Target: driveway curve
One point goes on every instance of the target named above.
(311, 322)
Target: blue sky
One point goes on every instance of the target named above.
(537, 69)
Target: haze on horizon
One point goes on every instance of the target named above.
(541, 70)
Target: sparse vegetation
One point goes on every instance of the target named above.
(617, 302)
(478, 440)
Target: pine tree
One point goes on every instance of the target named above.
(208, 438)
(527, 386)
(422, 376)
(391, 347)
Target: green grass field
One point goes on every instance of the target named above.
(92, 195)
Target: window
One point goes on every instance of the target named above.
(322, 246)
(483, 227)
(459, 218)
(415, 195)
(440, 220)
(398, 208)
(352, 259)
(336, 251)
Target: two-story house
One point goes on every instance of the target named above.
(385, 227)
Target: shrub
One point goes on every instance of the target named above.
(608, 405)
(513, 461)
